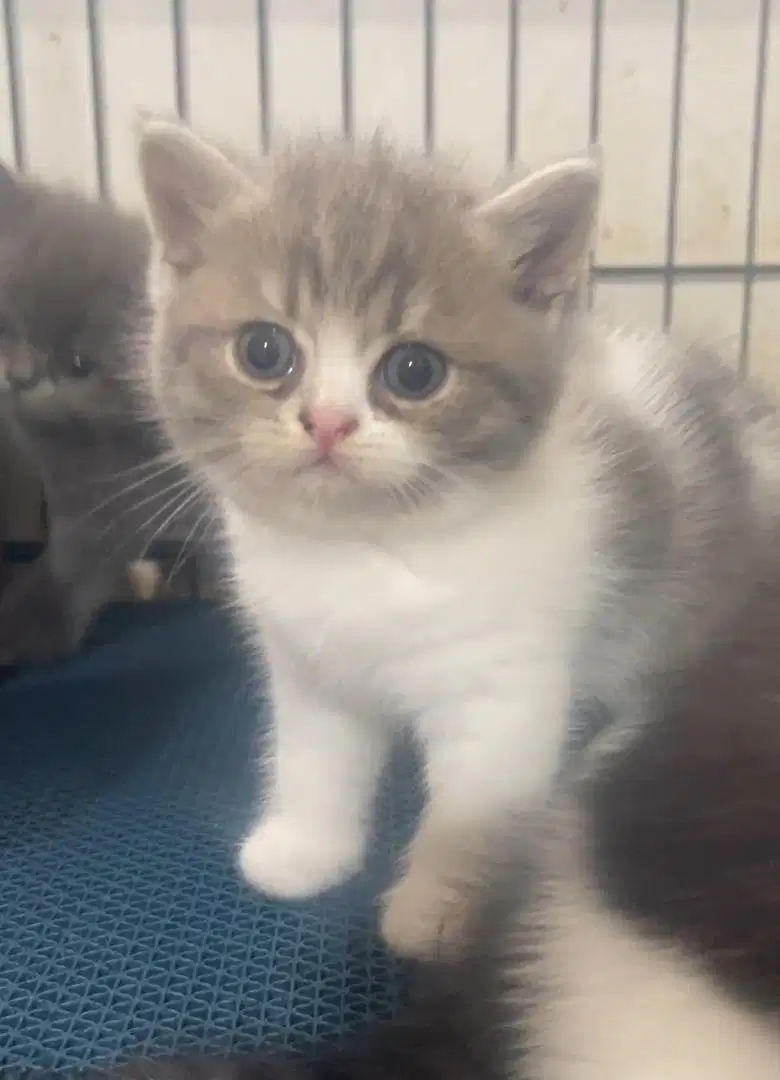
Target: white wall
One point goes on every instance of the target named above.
(127, 48)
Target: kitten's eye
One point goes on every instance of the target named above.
(80, 367)
(412, 371)
(267, 352)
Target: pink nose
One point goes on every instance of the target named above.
(327, 427)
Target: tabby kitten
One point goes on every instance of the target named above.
(638, 936)
(74, 320)
(442, 506)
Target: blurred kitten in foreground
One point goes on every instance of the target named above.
(627, 930)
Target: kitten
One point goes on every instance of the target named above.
(638, 937)
(74, 320)
(442, 506)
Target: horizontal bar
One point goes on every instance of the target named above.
(696, 272)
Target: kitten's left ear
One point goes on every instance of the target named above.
(186, 182)
(545, 223)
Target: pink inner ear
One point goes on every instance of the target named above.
(177, 226)
(181, 257)
(179, 261)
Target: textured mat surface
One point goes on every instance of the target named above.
(125, 783)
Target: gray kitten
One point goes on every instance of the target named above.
(74, 321)
(442, 506)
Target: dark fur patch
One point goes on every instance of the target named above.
(685, 823)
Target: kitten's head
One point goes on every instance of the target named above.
(73, 308)
(347, 330)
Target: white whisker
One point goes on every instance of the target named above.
(179, 508)
(189, 543)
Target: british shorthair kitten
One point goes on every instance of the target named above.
(443, 507)
(74, 321)
(631, 929)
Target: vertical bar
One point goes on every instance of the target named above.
(347, 96)
(552, 102)
(11, 25)
(137, 53)
(179, 21)
(594, 119)
(755, 182)
(264, 75)
(389, 95)
(596, 51)
(54, 74)
(512, 79)
(674, 161)
(471, 81)
(721, 43)
(768, 214)
(98, 94)
(306, 81)
(765, 330)
(429, 62)
(637, 67)
(217, 42)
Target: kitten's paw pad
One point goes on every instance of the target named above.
(424, 916)
(293, 860)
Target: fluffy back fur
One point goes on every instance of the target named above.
(441, 504)
(74, 321)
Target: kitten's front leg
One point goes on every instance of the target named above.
(324, 765)
(49, 604)
(486, 760)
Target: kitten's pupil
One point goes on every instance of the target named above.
(267, 351)
(413, 371)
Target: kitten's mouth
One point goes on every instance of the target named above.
(322, 463)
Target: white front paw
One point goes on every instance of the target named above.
(424, 915)
(290, 859)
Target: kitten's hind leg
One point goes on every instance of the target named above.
(323, 768)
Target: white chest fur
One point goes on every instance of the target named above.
(402, 621)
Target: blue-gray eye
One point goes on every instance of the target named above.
(266, 351)
(412, 371)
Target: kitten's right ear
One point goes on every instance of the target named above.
(186, 181)
(545, 225)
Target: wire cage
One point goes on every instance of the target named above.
(682, 95)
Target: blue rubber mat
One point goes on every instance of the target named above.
(126, 780)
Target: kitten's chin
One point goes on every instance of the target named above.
(325, 497)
